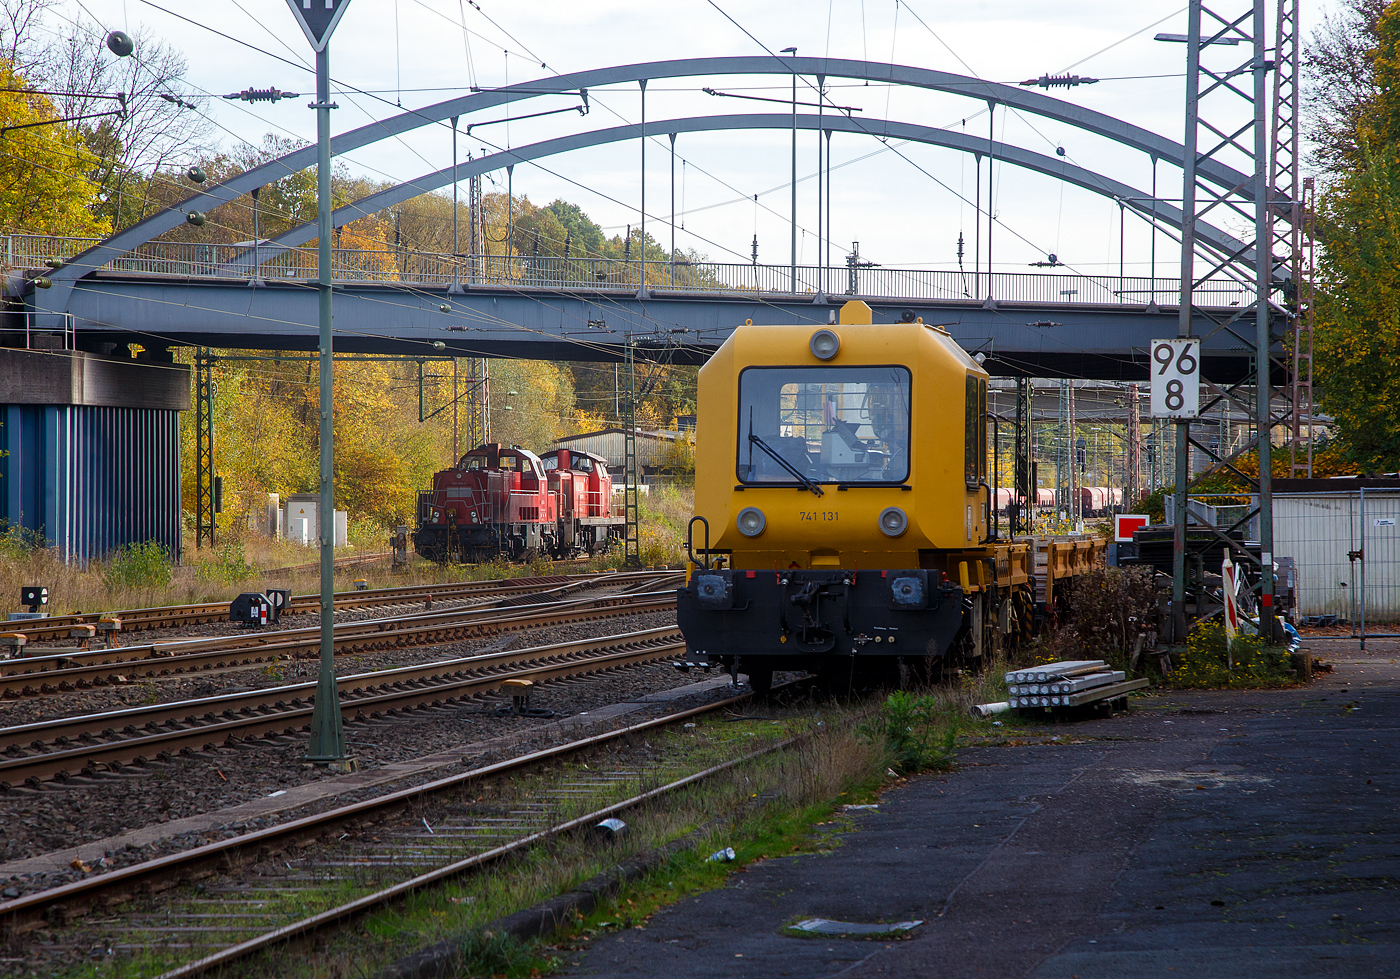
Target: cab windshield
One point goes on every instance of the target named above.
(829, 424)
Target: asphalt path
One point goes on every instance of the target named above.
(1210, 835)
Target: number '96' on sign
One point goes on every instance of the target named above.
(1176, 391)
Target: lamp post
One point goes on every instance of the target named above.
(327, 744)
(793, 270)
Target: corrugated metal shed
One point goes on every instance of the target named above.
(652, 447)
(1329, 527)
(92, 450)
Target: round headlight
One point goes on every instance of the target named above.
(892, 521)
(825, 344)
(751, 521)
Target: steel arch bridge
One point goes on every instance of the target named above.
(110, 291)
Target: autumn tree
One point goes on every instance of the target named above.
(44, 166)
(164, 125)
(1340, 81)
(1358, 307)
(532, 403)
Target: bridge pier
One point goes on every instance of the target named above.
(90, 450)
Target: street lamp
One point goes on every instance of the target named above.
(1183, 39)
(793, 269)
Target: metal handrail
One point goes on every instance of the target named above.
(398, 265)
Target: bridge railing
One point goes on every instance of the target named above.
(431, 269)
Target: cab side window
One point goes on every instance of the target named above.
(975, 432)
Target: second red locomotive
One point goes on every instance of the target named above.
(505, 501)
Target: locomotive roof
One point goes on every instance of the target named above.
(497, 449)
(576, 452)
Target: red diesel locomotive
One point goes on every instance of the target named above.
(506, 501)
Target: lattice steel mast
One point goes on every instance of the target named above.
(203, 448)
(1226, 122)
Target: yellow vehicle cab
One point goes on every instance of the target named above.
(842, 510)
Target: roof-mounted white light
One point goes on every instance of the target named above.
(825, 344)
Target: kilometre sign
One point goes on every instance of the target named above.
(1176, 369)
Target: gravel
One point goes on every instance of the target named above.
(208, 683)
(54, 817)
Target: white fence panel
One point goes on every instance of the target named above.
(1327, 535)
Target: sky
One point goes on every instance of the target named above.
(907, 206)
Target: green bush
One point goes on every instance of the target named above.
(18, 542)
(367, 534)
(1246, 663)
(145, 565)
(227, 567)
(920, 733)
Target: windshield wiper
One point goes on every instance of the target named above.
(792, 470)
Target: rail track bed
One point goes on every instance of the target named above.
(239, 702)
(91, 744)
(261, 884)
(59, 671)
(140, 754)
(56, 629)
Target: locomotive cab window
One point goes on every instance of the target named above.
(830, 424)
(975, 432)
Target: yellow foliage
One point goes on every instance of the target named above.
(44, 188)
(267, 434)
(1357, 350)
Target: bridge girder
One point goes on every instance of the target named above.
(1157, 147)
(1042, 340)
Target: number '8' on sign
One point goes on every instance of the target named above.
(1176, 368)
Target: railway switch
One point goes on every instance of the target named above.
(398, 541)
(12, 644)
(520, 691)
(107, 628)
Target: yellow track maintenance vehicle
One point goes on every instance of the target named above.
(841, 488)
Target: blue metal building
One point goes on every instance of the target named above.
(91, 450)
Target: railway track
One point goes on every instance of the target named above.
(58, 627)
(233, 897)
(107, 742)
(66, 671)
(341, 564)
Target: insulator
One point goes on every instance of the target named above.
(262, 95)
(1060, 81)
(120, 44)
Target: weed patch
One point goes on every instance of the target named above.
(919, 732)
(228, 566)
(145, 565)
(1209, 661)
